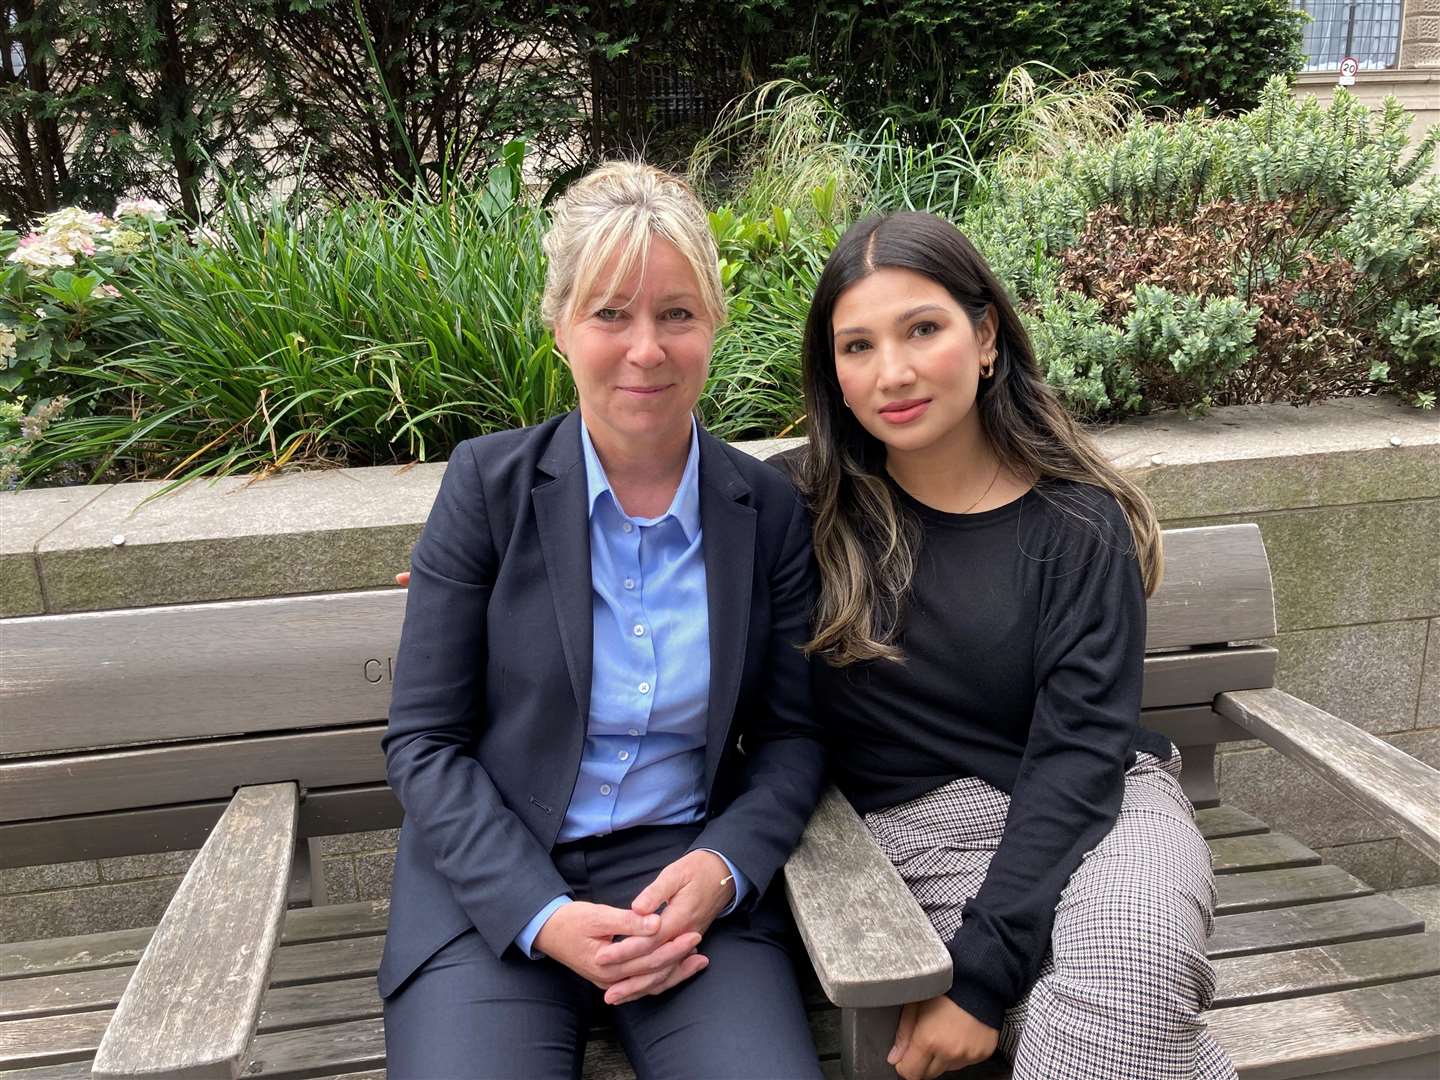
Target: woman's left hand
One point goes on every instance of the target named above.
(689, 895)
(937, 1036)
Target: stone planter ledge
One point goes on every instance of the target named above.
(106, 546)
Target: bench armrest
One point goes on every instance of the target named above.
(191, 1007)
(868, 940)
(1394, 787)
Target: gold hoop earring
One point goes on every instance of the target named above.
(988, 368)
(847, 402)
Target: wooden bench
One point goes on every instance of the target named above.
(127, 732)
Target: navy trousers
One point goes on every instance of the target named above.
(467, 1014)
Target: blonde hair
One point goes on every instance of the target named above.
(616, 210)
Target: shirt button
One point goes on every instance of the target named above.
(634, 732)
(639, 630)
(644, 688)
(627, 527)
(624, 755)
(604, 789)
(629, 582)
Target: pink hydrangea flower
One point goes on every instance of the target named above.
(148, 209)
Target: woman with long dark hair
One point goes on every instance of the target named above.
(979, 643)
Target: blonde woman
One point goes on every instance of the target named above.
(979, 644)
(600, 607)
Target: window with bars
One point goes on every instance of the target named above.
(1368, 30)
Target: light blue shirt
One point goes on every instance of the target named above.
(644, 756)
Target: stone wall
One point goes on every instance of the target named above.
(1347, 495)
(1420, 36)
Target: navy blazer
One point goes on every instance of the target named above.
(492, 683)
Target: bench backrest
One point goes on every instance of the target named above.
(124, 732)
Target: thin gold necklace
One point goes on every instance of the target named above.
(977, 502)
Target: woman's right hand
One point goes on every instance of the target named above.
(577, 931)
(403, 580)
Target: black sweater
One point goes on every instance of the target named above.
(1024, 638)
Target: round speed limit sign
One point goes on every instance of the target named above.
(1349, 68)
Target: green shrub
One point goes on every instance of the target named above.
(915, 62)
(1186, 344)
(1281, 255)
(381, 332)
(20, 431)
(769, 266)
(1081, 355)
(1413, 335)
(1295, 249)
(60, 311)
(385, 331)
(58, 294)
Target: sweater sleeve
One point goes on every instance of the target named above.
(1089, 662)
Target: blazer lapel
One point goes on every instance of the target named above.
(562, 518)
(729, 527)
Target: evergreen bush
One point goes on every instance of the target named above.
(1310, 222)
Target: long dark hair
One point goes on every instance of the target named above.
(864, 542)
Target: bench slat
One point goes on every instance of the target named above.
(1268, 851)
(88, 783)
(356, 1044)
(198, 670)
(74, 1037)
(337, 921)
(346, 1048)
(1311, 924)
(76, 991)
(1284, 888)
(51, 1040)
(32, 959)
(1323, 968)
(1243, 980)
(1216, 589)
(1275, 1040)
(1218, 822)
(1194, 678)
(72, 1070)
(66, 992)
(235, 667)
(1397, 789)
(324, 812)
(190, 1008)
(1191, 726)
(118, 948)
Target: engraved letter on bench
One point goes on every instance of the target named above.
(376, 670)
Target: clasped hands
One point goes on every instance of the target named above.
(658, 947)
